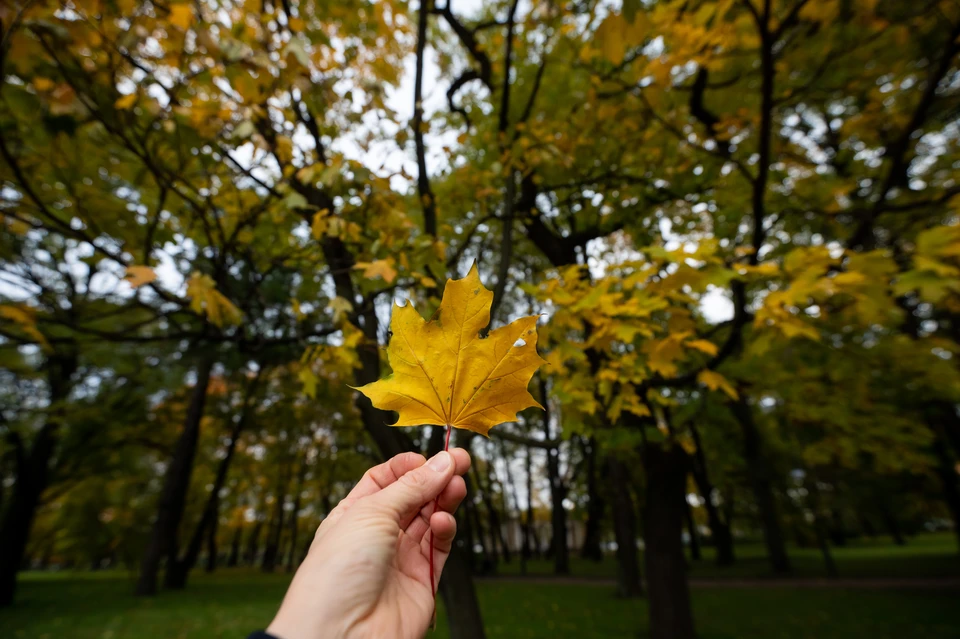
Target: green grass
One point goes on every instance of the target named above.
(924, 556)
(232, 603)
(83, 606)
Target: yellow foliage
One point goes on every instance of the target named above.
(181, 15)
(716, 381)
(206, 300)
(26, 319)
(340, 307)
(139, 275)
(125, 101)
(378, 268)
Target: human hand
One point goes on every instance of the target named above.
(367, 573)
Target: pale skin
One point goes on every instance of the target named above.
(367, 573)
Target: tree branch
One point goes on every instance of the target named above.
(423, 179)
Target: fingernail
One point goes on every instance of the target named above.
(440, 462)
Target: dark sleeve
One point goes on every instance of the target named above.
(261, 634)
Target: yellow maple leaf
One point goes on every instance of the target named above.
(205, 299)
(284, 149)
(125, 101)
(43, 84)
(663, 354)
(704, 346)
(340, 307)
(139, 275)
(181, 15)
(716, 381)
(378, 268)
(25, 318)
(445, 374)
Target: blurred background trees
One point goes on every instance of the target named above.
(738, 218)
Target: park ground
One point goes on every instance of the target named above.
(887, 592)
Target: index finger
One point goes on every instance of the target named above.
(382, 475)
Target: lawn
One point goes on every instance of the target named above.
(230, 604)
(925, 556)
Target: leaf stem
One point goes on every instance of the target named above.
(436, 506)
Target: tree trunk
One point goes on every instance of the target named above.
(625, 530)
(528, 547)
(212, 545)
(947, 471)
(462, 609)
(819, 527)
(492, 519)
(720, 535)
(691, 530)
(295, 514)
(234, 558)
(558, 519)
(891, 523)
(838, 531)
(179, 568)
(558, 492)
(275, 527)
(459, 596)
(32, 468)
(176, 482)
(595, 507)
(476, 526)
(671, 616)
(760, 477)
(253, 543)
(535, 538)
(31, 480)
(492, 481)
(939, 422)
(511, 485)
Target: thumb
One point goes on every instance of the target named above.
(417, 487)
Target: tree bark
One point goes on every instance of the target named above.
(838, 531)
(595, 507)
(179, 568)
(691, 530)
(176, 482)
(946, 470)
(760, 477)
(671, 616)
(625, 530)
(460, 596)
(529, 549)
(720, 535)
(476, 525)
(891, 523)
(819, 526)
(498, 510)
(512, 487)
(32, 468)
(558, 492)
(212, 545)
(275, 527)
(493, 523)
(234, 557)
(466, 534)
(464, 617)
(294, 524)
(253, 543)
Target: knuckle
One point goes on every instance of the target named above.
(415, 480)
